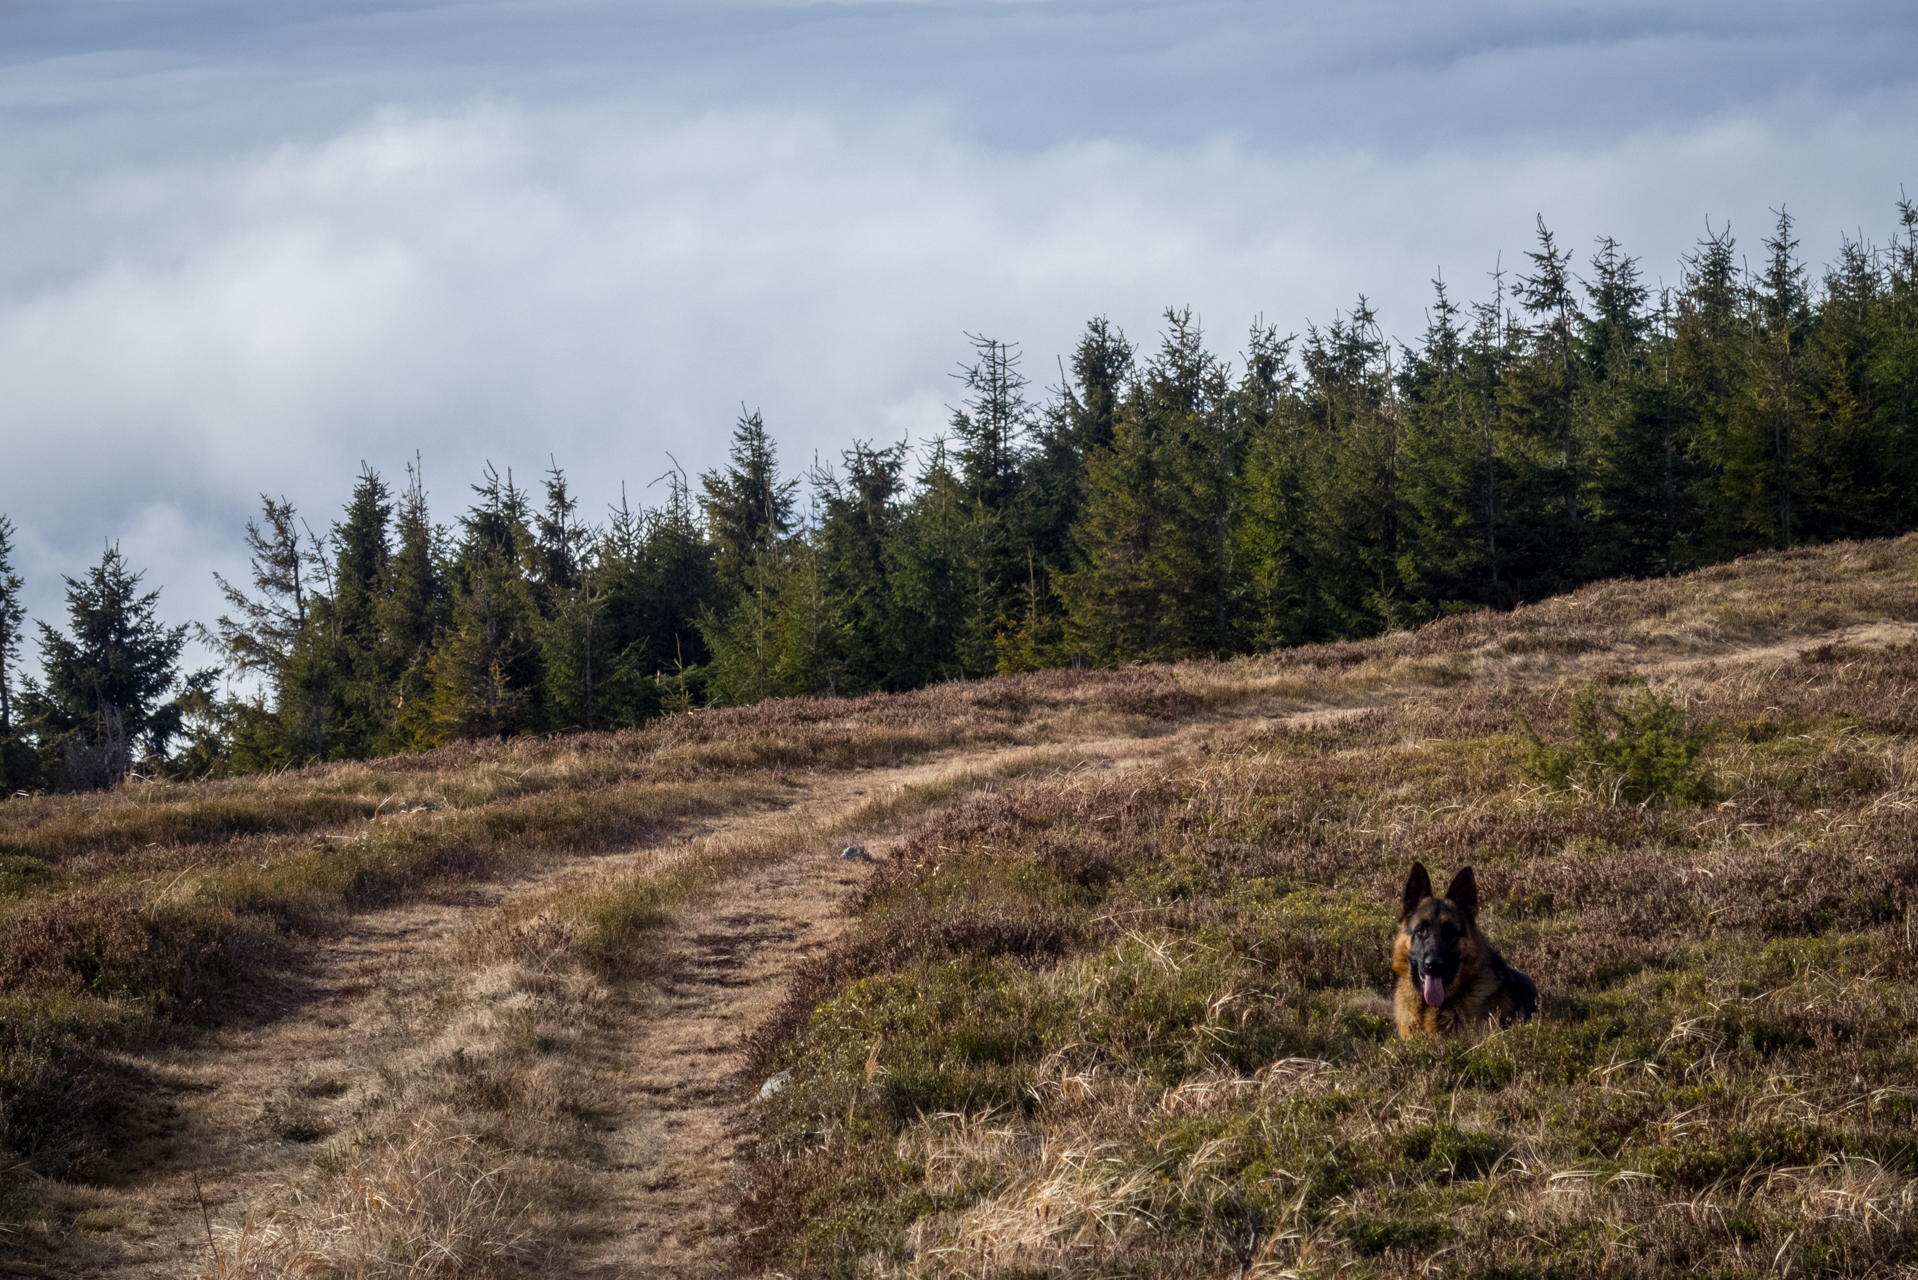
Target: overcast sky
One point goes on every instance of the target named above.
(248, 246)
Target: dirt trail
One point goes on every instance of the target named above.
(672, 1167)
(1870, 635)
(233, 1122)
(237, 1112)
(670, 1162)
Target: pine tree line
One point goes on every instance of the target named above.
(1156, 504)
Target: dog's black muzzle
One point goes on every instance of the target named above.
(1434, 971)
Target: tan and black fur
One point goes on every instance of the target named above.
(1439, 942)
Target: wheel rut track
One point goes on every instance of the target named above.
(667, 1058)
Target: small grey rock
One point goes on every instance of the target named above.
(775, 1083)
(854, 853)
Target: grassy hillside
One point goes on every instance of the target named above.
(1133, 1026)
(1093, 1020)
(141, 915)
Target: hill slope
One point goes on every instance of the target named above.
(1093, 1025)
(1110, 996)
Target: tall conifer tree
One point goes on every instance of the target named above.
(412, 613)
(1780, 300)
(1547, 294)
(1443, 556)
(363, 694)
(18, 769)
(105, 679)
(486, 671)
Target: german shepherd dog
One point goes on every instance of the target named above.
(1451, 979)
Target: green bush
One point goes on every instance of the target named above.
(1637, 752)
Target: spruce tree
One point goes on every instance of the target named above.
(360, 563)
(1269, 380)
(1078, 421)
(1487, 357)
(473, 667)
(1443, 556)
(363, 696)
(1852, 473)
(631, 692)
(1152, 566)
(1679, 470)
(861, 518)
(748, 517)
(989, 428)
(926, 574)
(1354, 414)
(261, 638)
(413, 610)
(267, 628)
(18, 768)
(1541, 539)
(105, 680)
(1612, 334)
(574, 639)
(657, 569)
(1208, 456)
(810, 643)
(989, 432)
(745, 640)
(1780, 301)
(1628, 416)
(1547, 294)
(1101, 369)
(1274, 535)
(1710, 368)
(564, 543)
(13, 617)
(748, 507)
(1895, 364)
(486, 670)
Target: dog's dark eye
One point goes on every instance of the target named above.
(1421, 931)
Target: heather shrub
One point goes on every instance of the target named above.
(22, 875)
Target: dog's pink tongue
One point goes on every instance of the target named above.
(1434, 990)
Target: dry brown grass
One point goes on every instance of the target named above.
(537, 1021)
(501, 1029)
(419, 1205)
(1085, 1018)
(129, 914)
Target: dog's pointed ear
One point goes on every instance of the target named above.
(1463, 893)
(1418, 887)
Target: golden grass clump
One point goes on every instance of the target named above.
(422, 1204)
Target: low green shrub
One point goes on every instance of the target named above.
(1637, 751)
(19, 876)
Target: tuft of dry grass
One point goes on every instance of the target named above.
(453, 1142)
(422, 1204)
